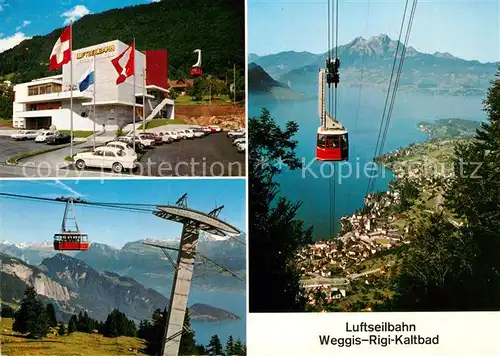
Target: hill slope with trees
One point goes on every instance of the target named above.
(215, 27)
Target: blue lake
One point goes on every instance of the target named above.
(362, 122)
(234, 302)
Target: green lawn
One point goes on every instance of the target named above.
(76, 344)
(219, 100)
(161, 122)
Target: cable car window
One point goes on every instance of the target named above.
(332, 142)
(321, 141)
(343, 140)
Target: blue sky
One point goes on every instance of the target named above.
(21, 19)
(28, 221)
(468, 29)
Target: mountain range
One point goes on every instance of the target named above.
(148, 265)
(73, 286)
(368, 62)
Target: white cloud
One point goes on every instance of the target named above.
(12, 41)
(25, 23)
(155, 0)
(2, 4)
(75, 13)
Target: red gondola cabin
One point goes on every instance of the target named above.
(71, 241)
(332, 145)
(196, 71)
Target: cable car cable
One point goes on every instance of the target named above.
(394, 93)
(370, 179)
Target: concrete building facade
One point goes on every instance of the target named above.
(45, 102)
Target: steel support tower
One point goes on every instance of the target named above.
(193, 222)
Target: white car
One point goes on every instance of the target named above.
(184, 134)
(25, 135)
(236, 133)
(239, 140)
(241, 147)
(122, 146)
(105, 157)
(43, 135)
(206, 130)
(196, 133)
(174, 135)
(140, 142)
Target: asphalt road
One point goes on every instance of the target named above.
(9, 147)
(212, 155)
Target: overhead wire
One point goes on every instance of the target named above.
(384, 122)
(99, 205)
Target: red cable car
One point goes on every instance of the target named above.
(196, 69)
(332, 145)
(70, 238)
(332, 141)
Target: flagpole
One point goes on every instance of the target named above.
(95, 117)
(144, 98)
(133, 114)
(71, 86)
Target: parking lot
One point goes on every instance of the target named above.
(9, 147)
(212, 155)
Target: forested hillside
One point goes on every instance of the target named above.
(215, 27)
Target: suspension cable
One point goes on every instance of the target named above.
(99, 205)
(384, 123)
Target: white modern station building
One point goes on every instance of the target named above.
(45, 102)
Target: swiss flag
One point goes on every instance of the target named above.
(61, 53)
(124, 64)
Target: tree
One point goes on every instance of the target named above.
(474, 198)
(153, 333)
(276, 234)
(117, 324)
(230, 346)
(31, 318)
(51, 315)
(62, 329)
(215, 347)
(7, 312)
(72, 324)
(239, 348)
(188, 341)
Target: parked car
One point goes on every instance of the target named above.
(241, 146)
(166, 137)
(140, 142)
(175, 136)
(25, 135)
(105, 157)
(195, 132)
(151, 136)
(239, 140)
(236, 133)
(206, 130)
(125, 146)
(198, 131)
(44, 134)
(185, 134)
(214, 128)
(58, 139)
